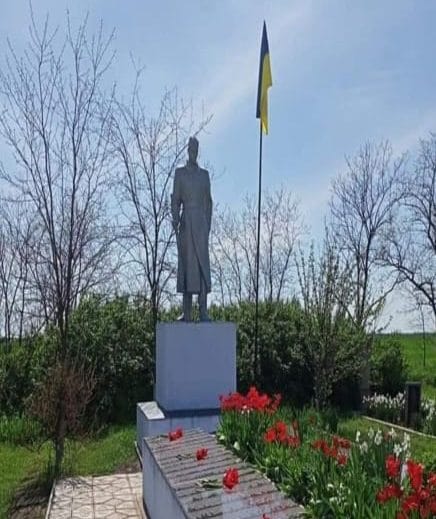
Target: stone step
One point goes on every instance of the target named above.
(172, 476)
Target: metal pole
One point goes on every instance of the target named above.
(259, 204)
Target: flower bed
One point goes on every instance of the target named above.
(329, 475)
(391, 409)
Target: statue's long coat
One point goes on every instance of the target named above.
(191, 193)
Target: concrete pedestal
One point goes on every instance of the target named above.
(195, 364)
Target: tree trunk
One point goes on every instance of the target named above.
(59, 441)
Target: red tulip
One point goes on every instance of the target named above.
(175, 435)
(201, 454)
(231, 478)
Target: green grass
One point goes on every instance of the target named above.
(412, 344)
(102, 455)
(97, 456)
(17, 465)
(423, 449)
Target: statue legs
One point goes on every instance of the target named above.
(187, 308)
(202, 303)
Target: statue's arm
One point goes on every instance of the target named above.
(208, 203)
(176, 201)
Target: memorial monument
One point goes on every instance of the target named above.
(191, 209)
(195, 361)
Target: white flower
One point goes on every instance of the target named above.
(392, 433)
(381, 403)
(236, 446)
(363, 447)
(398, 450)
(371, 433)
(357, 436)
(378, 438)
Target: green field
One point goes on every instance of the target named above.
(414, 354)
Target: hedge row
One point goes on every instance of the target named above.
(115, 338)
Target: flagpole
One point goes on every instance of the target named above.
(259, 204)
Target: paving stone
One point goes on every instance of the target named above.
(83, 512)
(63, 514)
(105, 497)
(102, 511)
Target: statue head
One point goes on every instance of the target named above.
(193, 149)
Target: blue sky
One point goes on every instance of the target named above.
(344, 72)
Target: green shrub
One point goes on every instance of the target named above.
(284, 363)
(114, 337)
(346, 394)
(281, 348)
(21, 367)
(15, 382)
(388, 366)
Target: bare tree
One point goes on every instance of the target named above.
(234, 248)
(15, 242)
(363, 206)
(55, 119)
(411, 249)
(9, 284)
(148, 149)
(233, 254)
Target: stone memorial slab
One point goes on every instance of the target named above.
(172, 483)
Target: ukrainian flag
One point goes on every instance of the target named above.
(265, 81)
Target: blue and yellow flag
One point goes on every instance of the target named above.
(265, 81)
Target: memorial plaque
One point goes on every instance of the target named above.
(412, 403)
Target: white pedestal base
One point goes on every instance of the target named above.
(195, 364)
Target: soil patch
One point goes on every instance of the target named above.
(130, 467)
(30, 501)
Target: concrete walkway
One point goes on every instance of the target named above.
(104, 497)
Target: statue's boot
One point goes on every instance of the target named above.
(187, 308)
(202, 303)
